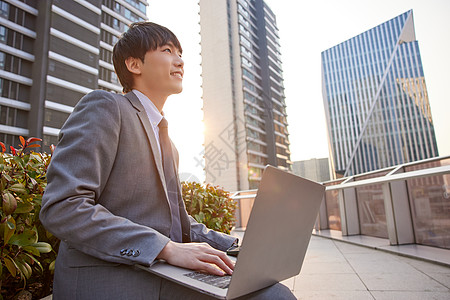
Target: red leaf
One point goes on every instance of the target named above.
(13, 151)
(52, 148)
(3, 147)
(34, 145)
(22, 141)
(32, 140)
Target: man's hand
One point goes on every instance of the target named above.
(197, 256)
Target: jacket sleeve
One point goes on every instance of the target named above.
(218, 240)
(77, 175)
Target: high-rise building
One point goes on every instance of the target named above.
(316, 169)
(51, 54)
(376, 100)
(243, 94)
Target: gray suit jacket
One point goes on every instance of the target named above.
(106, 197)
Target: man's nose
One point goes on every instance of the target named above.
(180, 62)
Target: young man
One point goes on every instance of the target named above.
(113, 195)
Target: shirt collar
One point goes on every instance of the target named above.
(152, 112)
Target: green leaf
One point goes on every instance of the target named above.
(51, 267)
(24, 268)
(24, 207)
(18, 188)
(11, 266)
(36, 157)
(32, 250)
(11, 223)
(7, 177)
(8, 229)
(33, 182)
(42, 247)
(28, 237)
(9, 203)
(34, 260)
(19, 161)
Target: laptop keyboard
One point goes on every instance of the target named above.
(218, 281)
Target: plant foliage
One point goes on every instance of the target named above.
(209, 205)
(26, 251)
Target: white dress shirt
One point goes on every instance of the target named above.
(153, 114)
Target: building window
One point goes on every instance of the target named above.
(114, 78)
(247, 62)
(117, 7)
(3, 34)
(244, 30)
(248, 74)
(138, 4)
(243, 11)
(51, 66)
(131, 16)
(249, 97)
(243, 20)
(2, 60)
(4, 9)
(246, 42)
(253, 134)
(115, 24)
(250, 86)
(254, 173)
(246, 52)
(251, 109)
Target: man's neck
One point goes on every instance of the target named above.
(157, 100)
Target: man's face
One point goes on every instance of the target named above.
(162, 70)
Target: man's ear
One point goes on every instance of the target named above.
(133, 65)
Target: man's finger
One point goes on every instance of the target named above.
(227, 260)
(212, 269)
(217, 260)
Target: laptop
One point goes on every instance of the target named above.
(275, 241)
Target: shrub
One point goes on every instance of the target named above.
(209, 205)
(27, 256)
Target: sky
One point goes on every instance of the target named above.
(306, 28)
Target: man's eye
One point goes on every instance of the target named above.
(168, 50)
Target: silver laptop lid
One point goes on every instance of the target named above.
(278, 231)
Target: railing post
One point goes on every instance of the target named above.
(351, 212)
(398, 212)
(322, 217)
(390, 216)
(342, 212)
(238, 213)
(348, 207)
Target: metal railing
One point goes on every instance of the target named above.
(408, 203)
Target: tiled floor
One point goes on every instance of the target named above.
(335, 269)
(338, 270)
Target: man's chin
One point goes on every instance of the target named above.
(179, 90)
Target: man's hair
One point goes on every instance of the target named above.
(140, 38)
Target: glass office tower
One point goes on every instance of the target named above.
(376, 101)
(243, 93)
(52, 52)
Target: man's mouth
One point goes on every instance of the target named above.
(177, 74)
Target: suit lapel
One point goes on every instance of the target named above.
(142, 115)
